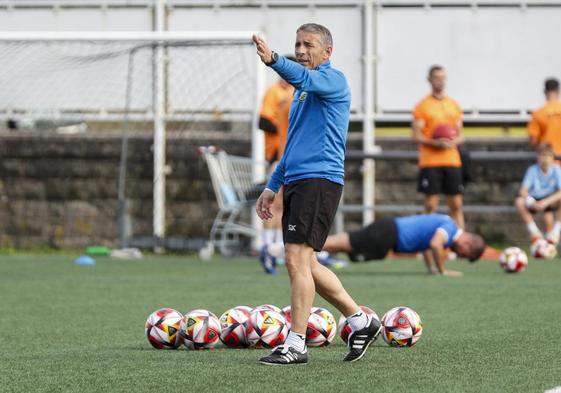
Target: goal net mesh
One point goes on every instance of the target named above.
(107, 88)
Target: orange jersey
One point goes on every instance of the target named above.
(545, 125)
(435, 112)
(276, 107)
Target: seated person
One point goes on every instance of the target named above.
(541, 192)
(430, 234)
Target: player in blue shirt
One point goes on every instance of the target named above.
(311, 173)
(430, 234)
(541, 192)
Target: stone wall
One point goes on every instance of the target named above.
(61, 191)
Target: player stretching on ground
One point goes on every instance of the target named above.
(312, 172)
(541, 192)
(440, 166)
(430, 234)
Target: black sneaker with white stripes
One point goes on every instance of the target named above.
(285, 355)
(359, 340)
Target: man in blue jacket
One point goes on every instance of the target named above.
(312, 174)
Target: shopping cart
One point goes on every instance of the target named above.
(236, 194)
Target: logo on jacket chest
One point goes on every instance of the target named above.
(302, 96)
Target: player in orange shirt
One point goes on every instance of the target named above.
(439, 159)
(274, 122)
(545, 125)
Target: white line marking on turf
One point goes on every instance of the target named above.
(556, 389)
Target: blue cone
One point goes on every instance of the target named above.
(84, 260)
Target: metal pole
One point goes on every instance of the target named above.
(159, 187)
(125, 230)
(368, 179)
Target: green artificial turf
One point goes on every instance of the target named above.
(65, 327)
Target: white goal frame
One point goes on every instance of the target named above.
(159, 115)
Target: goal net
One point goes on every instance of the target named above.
(137, 90)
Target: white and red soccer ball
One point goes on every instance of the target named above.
(200, 329)
(287, 314)
(344, 327)
(542, 249)
(321, 328)
(401, 327)
(513, 260)
(266, 328)
(271, 307)
(163, 327)
(232, 327)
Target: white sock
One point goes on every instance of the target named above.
(276, 249)
(533, 229)
(278, 235)
(556, 228)
(268, 236)
(358, 320)
(296, 341)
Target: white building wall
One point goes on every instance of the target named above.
(496, 57)
(280, 26)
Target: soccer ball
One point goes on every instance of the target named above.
(268, 307)
(444, 131)
(266, 328)
(401, 327)
(287, 314)
(513, 260)
(321, 329)
(244, 308)
(232, 328)
(541, 248)
(200, 329)
(162, 328)
(344, 327)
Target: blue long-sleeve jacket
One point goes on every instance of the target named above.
(318, 123)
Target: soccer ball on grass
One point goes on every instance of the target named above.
(401, 327)
(266, 328)
(513, 260)
(232, 327)
(162, 328)
(200, 329)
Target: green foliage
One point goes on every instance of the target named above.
(81, 328)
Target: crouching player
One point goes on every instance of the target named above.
(541, 192)
(430, 234)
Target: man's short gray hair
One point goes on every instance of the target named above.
(314, 28)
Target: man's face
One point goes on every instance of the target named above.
(437, 81)
(462, 246)
(545, 160)
(310, 50)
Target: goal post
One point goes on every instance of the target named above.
(131, 80)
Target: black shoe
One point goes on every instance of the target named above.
(361, 339)
(285, 355)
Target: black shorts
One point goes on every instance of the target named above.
(446, 180)
(309, 209)
(373, 241)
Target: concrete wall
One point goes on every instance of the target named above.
(61, 191)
